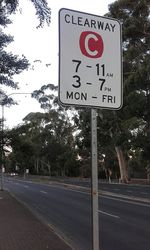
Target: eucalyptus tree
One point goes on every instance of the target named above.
(60, 149)
(44, 144)
(49, 135)
(11, 64)
(119, 129)
(135, 114)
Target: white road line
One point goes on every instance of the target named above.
(134, 202)
(26, 186)
(112, 215)
(43, 192)
(78, 191)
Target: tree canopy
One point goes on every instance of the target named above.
(58, 142)
(11, 64)
(126, 131)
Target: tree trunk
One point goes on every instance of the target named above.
(37, 166)
(148, 172)
(122, 165)
(49, 168)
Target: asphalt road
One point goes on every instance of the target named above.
(124, 219)
(135, 190)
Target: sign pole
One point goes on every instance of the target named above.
(94, 186)
(2, 148)
(90, 76)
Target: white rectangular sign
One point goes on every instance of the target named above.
(90, 65)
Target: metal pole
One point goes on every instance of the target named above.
(2, 148)
(94, 186)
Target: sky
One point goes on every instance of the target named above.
(39, 44)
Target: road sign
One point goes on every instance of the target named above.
(90, 68)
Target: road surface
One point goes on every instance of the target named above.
(124, 213)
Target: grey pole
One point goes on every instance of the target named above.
(2, 147)
(94, 186)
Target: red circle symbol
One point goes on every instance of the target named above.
(91, 44)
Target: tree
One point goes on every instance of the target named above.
(45, 144)
(60, 126)
(11, 64)
(136, 48)
(43, 12)
(118, 129)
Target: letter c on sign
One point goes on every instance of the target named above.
(91, 44)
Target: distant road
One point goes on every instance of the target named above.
(124, 220)
(124, 189)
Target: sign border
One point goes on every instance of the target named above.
(121, 64)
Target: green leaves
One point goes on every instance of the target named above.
(46, 138)
(10, 64)
(43, 12)
(119, 128)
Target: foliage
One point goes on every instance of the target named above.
(44, 144)
(10, 64)
(120, 129)
(47, 96)
(43, 12)
(135, 114)
(56, 140)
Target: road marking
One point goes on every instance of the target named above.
(43, 192)
(77, 191)
(1, 198)
(26, 186)
(129, 191)
(127, 201)
(143, 193)
(112, 215)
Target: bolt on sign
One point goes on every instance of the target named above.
(90, 60)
